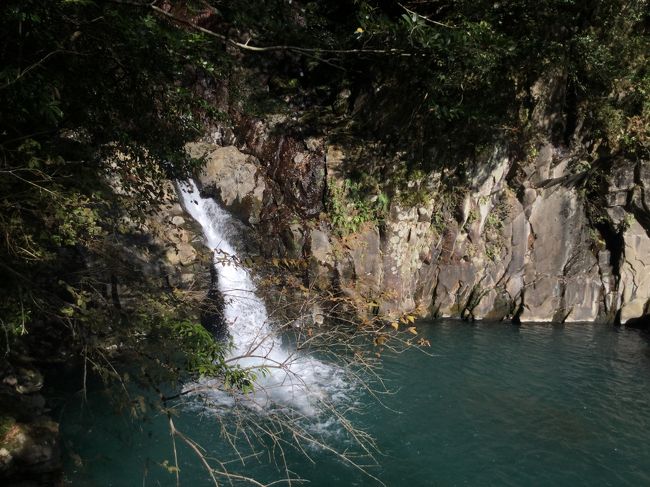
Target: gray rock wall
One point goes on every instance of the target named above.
(520, 248)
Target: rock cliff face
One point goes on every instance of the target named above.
(520, 243)
(559, 232)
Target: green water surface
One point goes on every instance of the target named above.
(494, 404)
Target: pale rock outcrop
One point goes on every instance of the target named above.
(233, 177)
(406, 237)
(322, 260)
(363, 276)
(528, 253)
(635, 273)
(558, 265)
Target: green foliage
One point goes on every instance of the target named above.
(464, 71)
(498, 215)
(438, 222)
(493, 221)
(94, 113)
(597, 240)
(204, 356)
(624, 117)
(204, 351)
(493, 250)
(626, 223)
(471, 218)
(410, 186)
(494, 224)
(349, 206)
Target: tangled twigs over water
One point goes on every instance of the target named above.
(303, 372)
(289, 380)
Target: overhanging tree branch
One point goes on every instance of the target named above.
(435, 22)
(248, 47)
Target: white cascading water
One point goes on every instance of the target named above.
(293, 380)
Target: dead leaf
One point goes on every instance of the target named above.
(380, 340)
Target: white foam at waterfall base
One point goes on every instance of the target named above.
(292, 380)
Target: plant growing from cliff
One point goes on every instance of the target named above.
(349, 207)
(438, 222)
(626, 223)
(499, 213)
(493, 221)
(493, 250)
(472, 216)
(597, 240)
(74, 78)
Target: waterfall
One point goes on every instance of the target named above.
(293, 380)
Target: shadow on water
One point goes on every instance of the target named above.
(644, 334)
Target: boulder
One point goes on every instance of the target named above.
(181, 254)
(235, 179)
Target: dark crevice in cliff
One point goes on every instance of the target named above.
(614, 243)
(571, 107)
(435, 308)
(519, 309)
(640, 207)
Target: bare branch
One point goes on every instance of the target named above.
(435, 22)
(247, 47)
(38, 63)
